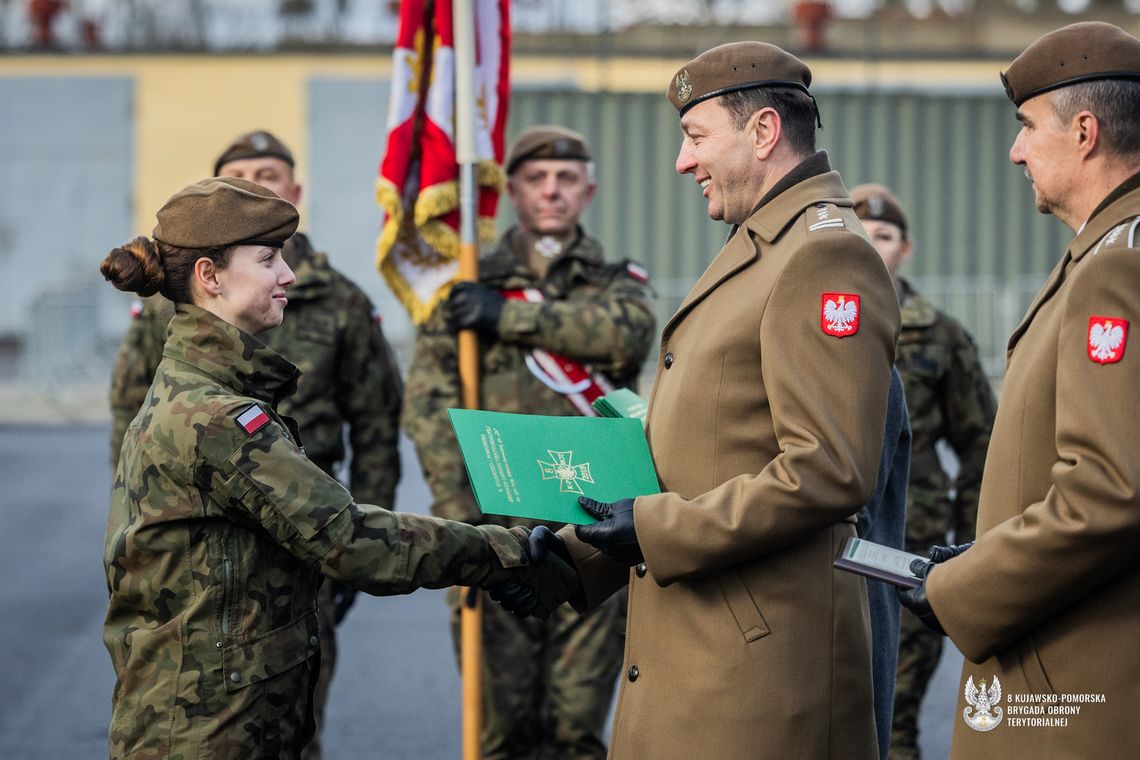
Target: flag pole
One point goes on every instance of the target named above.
(471, 617)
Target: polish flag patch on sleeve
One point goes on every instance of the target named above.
(839, 314)
(1107, 338)
(636, 271)
(253, 419)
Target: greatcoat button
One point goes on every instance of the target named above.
(640, 569)
(235, 676)
(633, 673)
(313, 641)
(668, 360)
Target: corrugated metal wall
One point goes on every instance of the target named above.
(981, 249)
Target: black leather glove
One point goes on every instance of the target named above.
(343, 598)
(473, 306)
(614, 534)
(548, 582)
(914, 599)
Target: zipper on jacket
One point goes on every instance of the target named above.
(227, 583)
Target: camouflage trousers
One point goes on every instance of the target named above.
(547, 686)
(327, 632)
(919, 650)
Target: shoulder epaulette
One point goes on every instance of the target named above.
(824, 216)
(1123, 235)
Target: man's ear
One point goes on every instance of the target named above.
(766, 128)
(1086, 128)
(206, 277)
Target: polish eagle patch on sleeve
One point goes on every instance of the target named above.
(1107, 338)
(839, 314)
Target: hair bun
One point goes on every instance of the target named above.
(134, 267)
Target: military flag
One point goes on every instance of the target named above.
(418, 187)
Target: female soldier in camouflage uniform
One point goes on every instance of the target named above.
(219, 526)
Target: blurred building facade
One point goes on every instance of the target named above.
(92, 144)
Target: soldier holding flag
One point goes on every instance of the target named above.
(557, 326)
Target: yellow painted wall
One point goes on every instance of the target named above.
(188, 108)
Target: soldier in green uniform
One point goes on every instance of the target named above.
(949, 399)
(557, 325)
(220, 527)
(350, 377)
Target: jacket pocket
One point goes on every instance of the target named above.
(743, 607)
(263, 657)
(1032, 668)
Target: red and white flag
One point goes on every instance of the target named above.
(418, 187)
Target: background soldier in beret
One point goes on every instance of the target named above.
(949, 399)
(766, 425)
(333, 334)
(1046, 603)
(544, 291)
(219, 526)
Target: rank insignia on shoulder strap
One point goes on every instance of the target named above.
(636, 271)
(1107, 338)
(825, 216)
(839, 314)
(253, 419)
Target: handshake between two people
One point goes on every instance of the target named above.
(553, 579)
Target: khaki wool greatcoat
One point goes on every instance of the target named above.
(1048, 598)
(742, 641)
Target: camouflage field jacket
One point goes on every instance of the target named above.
(349, 376)
(218, 528)
(596, 313)
(949, 398)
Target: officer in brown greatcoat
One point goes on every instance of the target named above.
(1046, 604)
(766, 426)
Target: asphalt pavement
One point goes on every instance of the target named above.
(396, 691)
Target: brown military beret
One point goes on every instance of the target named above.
(1073, 54)
(254, 145)
(735, 66)
(225, 211)
(547, 141)
(879, 204)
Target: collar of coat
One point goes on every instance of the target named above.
(313, 272)
(230, 356)
(916, 311)
(1117, 206)
(772, 217)
(502, 268)
(1106, 216)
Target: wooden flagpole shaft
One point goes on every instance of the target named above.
(471, 618)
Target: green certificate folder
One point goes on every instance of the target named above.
(534, 466)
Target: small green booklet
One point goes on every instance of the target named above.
(621, 403)
(534, 466)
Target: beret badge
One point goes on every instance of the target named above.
(684, 86)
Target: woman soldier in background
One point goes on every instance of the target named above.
(219, 526)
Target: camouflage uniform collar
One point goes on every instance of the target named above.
(503, 266)
(916, 311)
(312, 269)
(231, 357)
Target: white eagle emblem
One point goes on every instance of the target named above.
(840, 314)
(1105, 340)
(983, 703)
